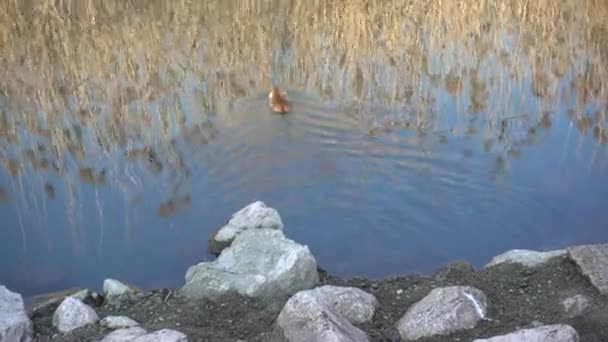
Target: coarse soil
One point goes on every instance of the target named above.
(518, 297)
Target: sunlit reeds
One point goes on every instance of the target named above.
(83, 82)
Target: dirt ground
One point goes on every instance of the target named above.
(517, 298)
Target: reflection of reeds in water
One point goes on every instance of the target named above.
(83, 82)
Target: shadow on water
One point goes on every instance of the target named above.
(130, 130)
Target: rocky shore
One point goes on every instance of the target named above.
(265, 287)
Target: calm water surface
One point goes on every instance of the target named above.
(130, 132)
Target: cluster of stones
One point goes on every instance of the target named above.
(72, 313)
(256, 260)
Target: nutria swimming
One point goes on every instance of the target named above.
(278, 100)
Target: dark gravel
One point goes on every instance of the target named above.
(517, 298)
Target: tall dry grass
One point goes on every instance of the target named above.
(82, 80)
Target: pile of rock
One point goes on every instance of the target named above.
(72, 313)
(256, 260)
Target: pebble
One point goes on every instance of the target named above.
(400, 291)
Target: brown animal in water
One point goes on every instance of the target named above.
(278, 100)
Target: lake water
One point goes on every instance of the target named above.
(421, 134)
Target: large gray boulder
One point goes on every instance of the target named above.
(260, 263)
(592, 261)
(255, 215)
(15, 325)
(545, 333)
(525, 257)
(137, 334)
(327, 313)
(72, 314)
(443, 311)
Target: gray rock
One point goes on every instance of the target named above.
(545, 333)
(114, 291)
(15, 325)
(575, 305)
(260, 263)
(592, 261)
(354, 304)
(525, 257)
(255, 215)
(124, 335)
(116, 322)
(443, 311)
(72, 314)
(322, 315)
(164, 335)
(137, 334)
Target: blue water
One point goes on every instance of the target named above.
(374, 202)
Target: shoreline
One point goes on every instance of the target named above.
(265, 287)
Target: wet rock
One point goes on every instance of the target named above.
(116, 322)
(255, 215)
(575, 305)
(114, 291)
(15, 325)
(525, 257)
(327, 313)
(72, 314)
(260, 263)
(354, 304)
(592, 261)
(137, 334)
(443, 311)
(545, 333)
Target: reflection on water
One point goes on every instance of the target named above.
(428, 132)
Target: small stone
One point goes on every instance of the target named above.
(137, 334)
(253, 216)
(164, 335)
(400, 291)
(455, 270)
(575, 305)
(114, 290)
(443, 311)
(124, 335)
(81, 295)
(72, 314)
(545, 333)
(116, 322)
